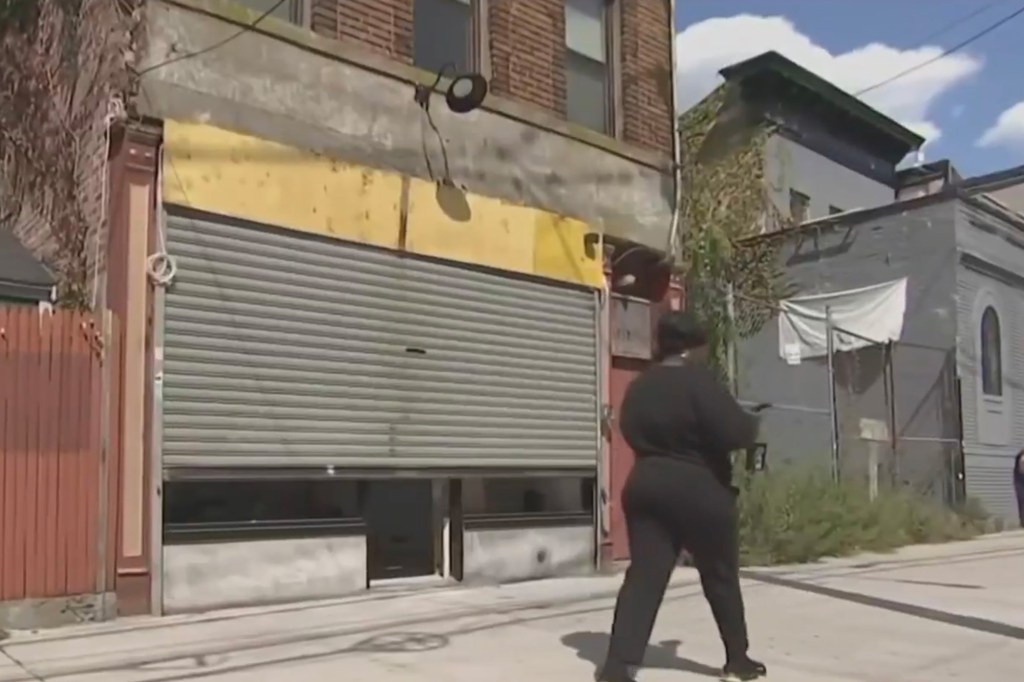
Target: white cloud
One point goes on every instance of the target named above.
(1007, 130)
(704, 48)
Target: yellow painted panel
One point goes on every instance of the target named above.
(447, 223)
(225, 172)
(230, 173)
(486, 231)
(560, 251)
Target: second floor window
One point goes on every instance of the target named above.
(443, 34)
(588, 76)
(289, 10)
(991, 353)
(799, 206)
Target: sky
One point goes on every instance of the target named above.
(969, 105)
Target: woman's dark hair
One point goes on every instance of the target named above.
(679, 332)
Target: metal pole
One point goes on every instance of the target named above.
(156, 476)
(103, 512)
(830, 349)
(730, 349)
(602, 481)
(894, 437)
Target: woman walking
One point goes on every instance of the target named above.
(682, 423)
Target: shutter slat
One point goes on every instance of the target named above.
(283, 349)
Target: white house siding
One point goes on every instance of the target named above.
(992, 434)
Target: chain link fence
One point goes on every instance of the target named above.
(885, 414)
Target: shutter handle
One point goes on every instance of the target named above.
(607, 419)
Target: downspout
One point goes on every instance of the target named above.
(674, 234)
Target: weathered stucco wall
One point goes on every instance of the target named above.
(301, 93)
(789, 165)
(217, 575)
(507, 555)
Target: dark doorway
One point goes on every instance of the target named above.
(400, 528)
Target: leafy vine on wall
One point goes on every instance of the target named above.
(61, 64)
(725, 199)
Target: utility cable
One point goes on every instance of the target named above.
(215, 46)
(957, 22)
(956, 48)
(161, 266)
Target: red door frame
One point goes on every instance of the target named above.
(622, 372)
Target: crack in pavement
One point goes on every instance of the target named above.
(985, 625)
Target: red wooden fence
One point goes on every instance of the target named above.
(58, 374)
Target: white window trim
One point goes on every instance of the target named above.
(613, 67)
(305, 8)
(993, 423)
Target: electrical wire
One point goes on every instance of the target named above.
(956, 48)
(215, 46)
(161, 266)
(957, 22)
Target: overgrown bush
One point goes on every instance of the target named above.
(797, 515)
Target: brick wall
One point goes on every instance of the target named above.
(646, 73)
(527, 51)
(384, 26)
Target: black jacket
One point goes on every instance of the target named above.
(683, 410)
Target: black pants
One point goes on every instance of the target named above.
(671, 505)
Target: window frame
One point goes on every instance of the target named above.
(478, 50)
(301, 14)
(806, 198)
(992, 421)
(496, 520)
(990, 314)
(612, 18)
(197, 532)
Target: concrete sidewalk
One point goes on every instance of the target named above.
(926, 613)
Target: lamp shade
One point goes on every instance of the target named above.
(466, 92)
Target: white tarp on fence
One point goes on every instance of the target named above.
(874, 312)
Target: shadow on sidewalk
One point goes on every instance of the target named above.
(592, 647)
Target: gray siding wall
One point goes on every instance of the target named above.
(790, 165)
(1012, 196)
(918, 244)
(993, 433)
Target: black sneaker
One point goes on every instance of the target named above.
(743, 670)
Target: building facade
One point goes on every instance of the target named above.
(828, 152)
(370, 337)
(948, 391)
(990, 348)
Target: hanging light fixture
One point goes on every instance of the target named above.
(465, 92)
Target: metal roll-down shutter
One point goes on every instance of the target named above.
(289, 350)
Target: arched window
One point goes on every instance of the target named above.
(991, 353)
